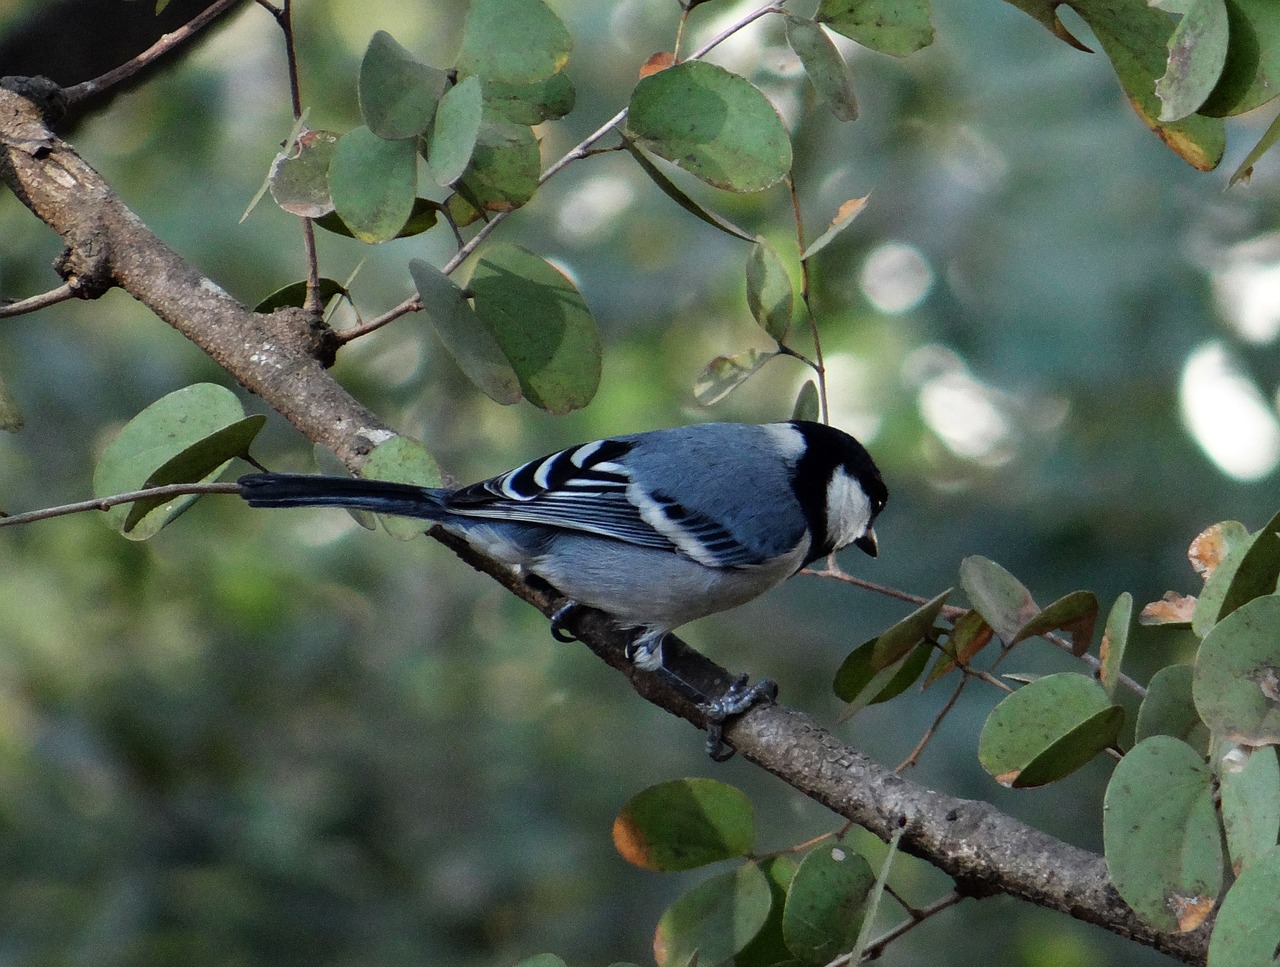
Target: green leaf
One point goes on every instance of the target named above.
(1047, 730)
(162, 431)
(827, 70)
(826, 902)
(891, 648)
(724, 374)
(768, 948)
(1237, 675)
(542, 960)
(712, 123)
(295, 294)
(402, 460)
(398, 95)
(807, 406)
(1265, 144)
(1161, 834)
(1258, 570)
(998, 596)
(844, 218)
(505, 167)
(1114, 638)
(1252, 70)
(897, 27)
(1168, 708)
(770, 295)
(203, 460)
(422, 218)
(513, 41)
(1249, 784)
(373, 184)
(533, 103)
(684, 824)
(672, 191)
(968, 636)
(299, 177)
(455, 130)
(714, 920)
(1197, 53)
(468, 340)
(541, 325)
(1246, 932)
(1076, 614)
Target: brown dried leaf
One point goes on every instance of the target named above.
(1207, 550)
(658, 62)
(1172, 608)
(1190, 910)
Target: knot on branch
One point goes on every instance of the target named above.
(47, 95)
(86, 268)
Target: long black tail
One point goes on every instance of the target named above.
(313, 490)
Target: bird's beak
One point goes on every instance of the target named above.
(867, 542)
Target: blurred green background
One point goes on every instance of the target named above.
(275, 738)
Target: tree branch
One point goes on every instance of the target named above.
(280, 358)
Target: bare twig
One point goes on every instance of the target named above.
(37, 302)
(917, 917)
(106, 503)
(165, 45)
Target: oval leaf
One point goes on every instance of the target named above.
(897, 27)
(504, 169)
(827, 70)
(402, 460)
(826, 902)
(684, 824)
(1246, 932)
(398, 95)
(1237, 675)
(724, 374)
(1168, 708)
(1250, 789)
(546, 100)
(998, 596)
(373, 184)
(1114, 638)
(299, 178)
(714, 920)
(1161, 834)
(712, 123)
(1058, 723)
(159, 433)
(513, 41)
(1076, 614)
(770, 295)
(768, 948)
(1258, 571)
(1197, 53)
(455, 130)
(467, 339)
(542, 326)
(845, 215)
(1232, 542)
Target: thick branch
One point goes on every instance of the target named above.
(276, 357)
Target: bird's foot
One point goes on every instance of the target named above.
(558, 619)
(738, 697)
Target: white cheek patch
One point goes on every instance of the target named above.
(848, 509)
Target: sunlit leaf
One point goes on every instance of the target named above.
(770, 294)
(542, 326)
(504, 169)
(373, 183)
(299, 178)
(844, 216)
(398, 95)
(724, 374)
(672, 191)
(455, 130)
(714, 124)
(513, 41)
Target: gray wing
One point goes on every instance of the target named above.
(588, 488)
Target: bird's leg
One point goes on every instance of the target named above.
(646, 653)
(558, 619)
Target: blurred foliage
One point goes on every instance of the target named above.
(277, 739)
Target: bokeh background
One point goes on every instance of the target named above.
(276, 738)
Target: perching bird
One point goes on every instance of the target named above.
(655, 529)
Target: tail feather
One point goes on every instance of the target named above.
(313, 490)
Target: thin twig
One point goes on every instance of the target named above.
(106, 503)
(914, 757)
(37, 302)
(917, 917)
(169, 42)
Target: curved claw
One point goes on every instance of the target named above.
(738, 697)
(558, 619)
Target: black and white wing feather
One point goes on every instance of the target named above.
(589, 489)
